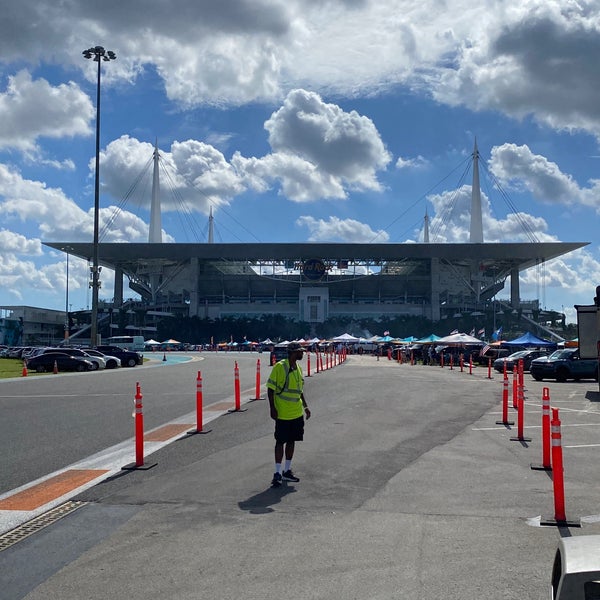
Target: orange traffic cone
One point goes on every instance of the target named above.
(55, 370)
(24, 373)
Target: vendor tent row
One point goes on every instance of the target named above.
(528, 340)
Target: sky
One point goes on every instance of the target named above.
(299, 121)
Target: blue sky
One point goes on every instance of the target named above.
(299, 120)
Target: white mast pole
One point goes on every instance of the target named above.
(476, 233)
(155, 233)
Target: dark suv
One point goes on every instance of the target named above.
(128, 358)
(562, 365)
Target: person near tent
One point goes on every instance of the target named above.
(285, 390)
(432, 355)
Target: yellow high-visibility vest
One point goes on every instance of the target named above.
(287, 385)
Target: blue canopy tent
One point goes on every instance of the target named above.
(530, 341)
(430, 339)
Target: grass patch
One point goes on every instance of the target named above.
(12, 367)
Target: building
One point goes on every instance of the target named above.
(29, 326)
(312, 282)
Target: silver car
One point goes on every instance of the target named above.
(112, 362)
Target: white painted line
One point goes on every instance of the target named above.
(563, 425)
(111, 459)
(584, 446)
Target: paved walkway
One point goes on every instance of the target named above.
(408, 489)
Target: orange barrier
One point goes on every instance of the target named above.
(545, 466)
(505, 420)
(236, 377)
(308, 364)
(199, 402)
(558, 471)
(55, 369)
(199, 406)
(521, 373)
(24, 371)
(257, 381)
(139, 427)
(558, 484)
(520, 416)
(138, 415)
(489, 368)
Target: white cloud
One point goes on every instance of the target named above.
(520, 167)
(319, 151)
(527, 58)
(16, 243)
(534, 58)
(32, 109)
(343, 144)
(452, 220)
(300, 180)
(342, 230)
(193, 175)
(57, 217)
(418, 162)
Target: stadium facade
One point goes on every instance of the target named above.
(312, 282)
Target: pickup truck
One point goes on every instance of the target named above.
(562, 365)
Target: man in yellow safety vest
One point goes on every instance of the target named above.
(288, 406)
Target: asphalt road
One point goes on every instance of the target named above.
(49, 422)
(409, 489)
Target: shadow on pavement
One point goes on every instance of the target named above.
(261, 503)
(592, 396)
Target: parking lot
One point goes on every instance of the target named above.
(408, 489)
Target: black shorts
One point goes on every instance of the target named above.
(289, 430)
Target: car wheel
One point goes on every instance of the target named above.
(81, 368)
(131, 362)
(95, 366)
(40, 369)
(111, 364)
(562, 374)
(537, 377)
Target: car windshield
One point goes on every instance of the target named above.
(518, 354)
(561, 354)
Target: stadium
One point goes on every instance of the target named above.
(312, 282)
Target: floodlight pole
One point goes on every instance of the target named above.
(67, 299)
(98, 54)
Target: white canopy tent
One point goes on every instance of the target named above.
(346, 338)
(459, 339)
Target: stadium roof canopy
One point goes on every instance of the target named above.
(501, 256)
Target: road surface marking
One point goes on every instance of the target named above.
(46, 491)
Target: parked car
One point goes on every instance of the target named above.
(112, 362)
(128, 358)
(493, 353)
(64, 362)
(562, 365)
(17, 351)
(525, 355)
(278, 353)
(97, 362)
